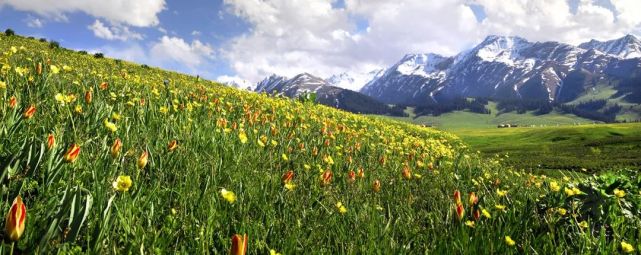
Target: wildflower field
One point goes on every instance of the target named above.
(110, 157)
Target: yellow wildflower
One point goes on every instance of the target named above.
(243, 137)
(619, 193)
(626, 247)
(486, 214)
(290, 186)
(122, 183)
(554, 186)
(110, 126)
(341, 208)
(470, 223)
(509, 241)
(228, 195)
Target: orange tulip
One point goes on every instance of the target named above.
(326, 177)
(407, 174)
(14, 223)
(288, 176)
(172, 145)
(361, 173)
(142, 160)
(28, 113)
(39, 68)
(238, 244)
(51, 141)
(13, 102)
(351, 176)
(381, 160)
(72, 153)
(115, 148)
(88, 97)
(376, 186)
(103, 86)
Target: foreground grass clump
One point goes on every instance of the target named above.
(112, 157)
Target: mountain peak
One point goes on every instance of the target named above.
(626, 47)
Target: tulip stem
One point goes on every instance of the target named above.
(12, 244)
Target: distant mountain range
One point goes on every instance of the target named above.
(500, 67)
(325, 93)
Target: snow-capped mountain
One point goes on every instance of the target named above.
(354, 80)
(325, 94)
(236, 82)
(627, 47)
(501, 67)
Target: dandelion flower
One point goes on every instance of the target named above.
(470, 224)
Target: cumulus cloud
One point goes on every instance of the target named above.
(115, 32)
(140, 13)
(290, 37)
(177, 50)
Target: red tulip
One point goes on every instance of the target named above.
(460, 211)
(238, 244)
(326, 177)
(457, 197)
(476, 214)
(15, 220)
(288, 176)
(72, 153)
(13, 102)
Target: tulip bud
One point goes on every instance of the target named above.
(142, 160)
(15, 221)
(72, 153)
(326, 177)
(460, 211)
(238, 244)
(351, 176)
(407, 174)
(51, 141)
(361, 172)
(476, 214)
(376, 186)
(473, 200)
(39, 68)
(103, 86)
(28, 113)
(88, 97)
(13, 102)
(172, 145)
(457, 197)
(115, 148)
(288, 176)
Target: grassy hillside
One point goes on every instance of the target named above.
(590, 147)
(471, 120)
(110, 157)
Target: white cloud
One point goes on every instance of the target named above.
(34, 22)
(195, 33)
(115, 32)
(290, 37)
(140, 13)
(176, 50)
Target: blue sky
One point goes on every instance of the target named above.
(246, 40)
